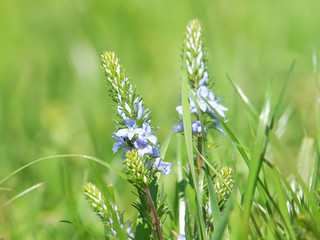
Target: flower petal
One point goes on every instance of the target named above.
(153, 139)
(122, 133)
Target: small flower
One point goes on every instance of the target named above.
(131, 234)
(204, 93)
(163, 167)
(217, 127)
(178, 128)
(146, 134)
(204, 79)
(155, 151)
(196, 127)
(119, 144)
(130, 131)
(218, 107)
(193, 107)
(143, 147)
(121, 113)
(139, 109)
(181, 237)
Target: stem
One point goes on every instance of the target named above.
(154, 213)
(199, 163)
(199, 159)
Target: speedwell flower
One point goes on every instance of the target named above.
(163, 167)
(130, 131)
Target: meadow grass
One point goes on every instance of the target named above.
(53, 102)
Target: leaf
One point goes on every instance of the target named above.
(255, 162)
(213, 199)
(283, 207)
(221, 225)
(244, 98)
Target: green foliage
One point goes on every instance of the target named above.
(51, 81)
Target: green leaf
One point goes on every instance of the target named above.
(283, 207)
(213, 199)
(276, 112)
(181, 189)
(222, 224)
(143, 230)
(165, 145)
(255, 163)
(188, 226)
(244, 98)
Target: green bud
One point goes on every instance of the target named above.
(96, 201)
(138, 174)
(222, 190)
(195, 54)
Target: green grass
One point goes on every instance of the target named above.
(53, 102)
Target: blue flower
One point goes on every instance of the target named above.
(121, 113)
(204, 93)
(181, 237)
(155, 152)
(139, 109)
(130, 131)
(218, 107)
(146, 134)
(119, 144)
(217, 127)
(163, 167)
(193, 108)
(143, 147)
(204, 79)
(178, 128)
(196, 127)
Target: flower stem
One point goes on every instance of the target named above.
(154, 213)
(199, 159)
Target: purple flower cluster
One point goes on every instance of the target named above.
(139, 137)
(134, 132)
(206, 101)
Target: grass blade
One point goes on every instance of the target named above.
(283, 208)
(255, 163)
(181, 190)
(22, 194)
(165, 145)
(188, 138)
(244, 98)
(276, 112)
(213, 199)
(97, 160)
(221, 225)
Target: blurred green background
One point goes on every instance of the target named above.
(53, 99)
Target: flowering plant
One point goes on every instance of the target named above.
(141, 149)
(252, 199)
